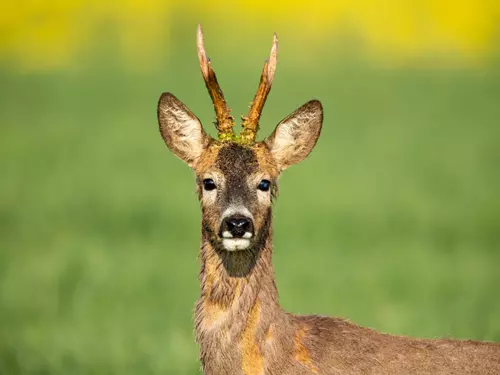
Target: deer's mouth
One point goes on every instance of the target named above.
(235, 244)
(232, 243)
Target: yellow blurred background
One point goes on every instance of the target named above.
(40, 35)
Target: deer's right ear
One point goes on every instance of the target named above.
(295, 136)
(181, 129)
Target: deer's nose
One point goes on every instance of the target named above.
(237, 226)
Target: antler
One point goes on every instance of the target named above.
(251, 122)
(225, 121)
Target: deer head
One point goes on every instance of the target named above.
(236, 175)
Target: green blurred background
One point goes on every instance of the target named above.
(393, 221)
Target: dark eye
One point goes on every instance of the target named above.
(209, 184)
(264, 185)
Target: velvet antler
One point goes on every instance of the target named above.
(225, 121)
(251, 121)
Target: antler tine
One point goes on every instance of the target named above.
(251, 122)
(225, 121)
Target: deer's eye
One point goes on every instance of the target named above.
(209, 184)
(264, 185)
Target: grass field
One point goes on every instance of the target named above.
(393, 221)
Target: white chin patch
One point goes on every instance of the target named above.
(235, 244)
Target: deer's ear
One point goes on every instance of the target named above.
(295, 136)
(181, 129)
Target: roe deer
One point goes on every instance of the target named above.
(240, 326)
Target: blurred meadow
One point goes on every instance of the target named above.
(393, 221)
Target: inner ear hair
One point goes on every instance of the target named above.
(181, 129)
(296, 135)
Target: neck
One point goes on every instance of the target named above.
(238, 277)
(239, 301)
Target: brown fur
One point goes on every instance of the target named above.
(251, 355)
(240, 326)
(301, 353)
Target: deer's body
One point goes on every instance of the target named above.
(240, 327)
(241, 330)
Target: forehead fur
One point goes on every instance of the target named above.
(232, 158)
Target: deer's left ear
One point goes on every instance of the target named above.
(295, 136)
(181, 130)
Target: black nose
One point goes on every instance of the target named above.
(238, 225)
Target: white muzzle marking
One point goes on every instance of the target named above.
(228, 241)
(235, 244)
(236, 210)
